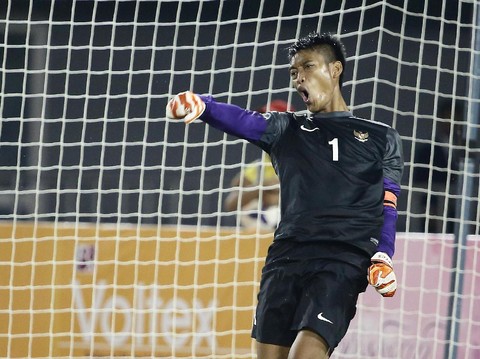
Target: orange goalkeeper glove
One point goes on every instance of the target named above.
(381, 275)
(186, 105)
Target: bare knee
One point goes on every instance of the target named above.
(309, 345)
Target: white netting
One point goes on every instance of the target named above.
(115, 235)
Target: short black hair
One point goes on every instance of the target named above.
(330, 45)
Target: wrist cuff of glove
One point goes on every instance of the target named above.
(381, 257)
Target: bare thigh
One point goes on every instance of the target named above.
(307, 345)
(270, 351)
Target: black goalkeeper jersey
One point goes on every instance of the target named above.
(332, 168)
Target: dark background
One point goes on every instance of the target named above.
(84, 135)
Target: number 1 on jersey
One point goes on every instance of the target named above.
(334, 144)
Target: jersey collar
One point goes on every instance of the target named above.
(332, 114)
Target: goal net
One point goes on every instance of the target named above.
(124, 233)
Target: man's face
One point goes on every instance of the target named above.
(315, 80)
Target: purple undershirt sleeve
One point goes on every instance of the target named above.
(387, 239)
(390, 215)
(391, 186)
(234, 120)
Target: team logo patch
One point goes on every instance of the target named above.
(361, 136)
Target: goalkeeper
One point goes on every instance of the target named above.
(339, 181)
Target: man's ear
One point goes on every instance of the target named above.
(337, 69)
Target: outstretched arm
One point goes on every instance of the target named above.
(234, 120)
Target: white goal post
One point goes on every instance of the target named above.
(115, 234)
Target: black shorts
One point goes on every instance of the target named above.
(319, 295)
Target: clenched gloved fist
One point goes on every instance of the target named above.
(381, 275)
(186, 105)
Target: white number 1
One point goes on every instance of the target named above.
(334, 144)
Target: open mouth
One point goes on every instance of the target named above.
(304, 94)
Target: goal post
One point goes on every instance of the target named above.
(116, 233)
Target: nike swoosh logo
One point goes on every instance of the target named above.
(321, 317)
(309, 129)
